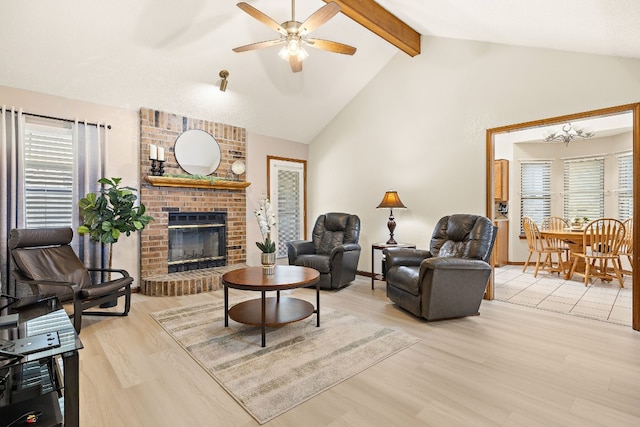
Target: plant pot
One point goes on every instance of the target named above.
(268, 262)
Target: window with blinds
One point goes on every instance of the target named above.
(625, 186)
(48, 174)
(535, 191)
(289, 213)
(584, 188)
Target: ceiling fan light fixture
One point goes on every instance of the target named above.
(293, 48)
(293, 34)
(284, 53)
(302, 54)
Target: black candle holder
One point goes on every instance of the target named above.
(153, 167)
(161, 168)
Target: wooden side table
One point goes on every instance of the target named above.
(381, 246)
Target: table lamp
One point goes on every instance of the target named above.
(391, 200)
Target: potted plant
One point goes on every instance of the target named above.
(266, 221)
(110, 213)
(579, 222)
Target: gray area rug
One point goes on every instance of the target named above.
(299, 361)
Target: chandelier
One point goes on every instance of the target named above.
(568, 134)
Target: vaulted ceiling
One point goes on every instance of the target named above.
(167, 54)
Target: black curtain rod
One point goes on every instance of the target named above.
(64, 120)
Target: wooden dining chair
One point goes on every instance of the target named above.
(626, 248)
(541, 246)
(602, 239)
(556, 223)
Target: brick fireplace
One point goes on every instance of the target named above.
(163, 196)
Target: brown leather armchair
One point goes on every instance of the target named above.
(333, 251)
(44, 260)
(449, 279)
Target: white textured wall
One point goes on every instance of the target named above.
(419, 127)
(258, 148)
(122, 157)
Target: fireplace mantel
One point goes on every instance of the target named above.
(219, 184)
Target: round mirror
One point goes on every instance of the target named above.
(197, 152)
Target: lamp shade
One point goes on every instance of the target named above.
(391, 200)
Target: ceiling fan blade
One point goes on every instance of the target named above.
(262, 17)
(258, 45)
(331, 46)
(296, 64)
(319, 17)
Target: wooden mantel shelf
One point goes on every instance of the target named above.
(165, 181)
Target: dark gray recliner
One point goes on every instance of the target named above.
(44, 260)
(449, 280)
(333, 251)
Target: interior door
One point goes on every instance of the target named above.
(287, 193)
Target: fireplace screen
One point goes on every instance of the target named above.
(197, 240)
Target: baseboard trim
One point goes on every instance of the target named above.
(363, 273)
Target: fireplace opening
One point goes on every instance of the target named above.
(197, 240)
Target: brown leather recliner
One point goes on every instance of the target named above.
(44, 260)
(333, 251)
(448, 280)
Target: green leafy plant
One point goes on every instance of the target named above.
(111, 212)
(211, 179)
(268, 246)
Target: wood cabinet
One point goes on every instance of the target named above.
(501, 245)
(501, 180)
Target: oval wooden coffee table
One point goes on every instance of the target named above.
(272, 311)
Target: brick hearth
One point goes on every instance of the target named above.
(162, 129)
(187, 282)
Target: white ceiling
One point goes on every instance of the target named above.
(167, 54)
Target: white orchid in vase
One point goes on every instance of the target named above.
(266, 221)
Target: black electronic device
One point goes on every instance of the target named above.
(31, 344)
(43, 410)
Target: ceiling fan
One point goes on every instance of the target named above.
(294, 35)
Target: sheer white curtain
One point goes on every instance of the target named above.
(90, 141)
(42, 176)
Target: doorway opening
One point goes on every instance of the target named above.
(535, 126)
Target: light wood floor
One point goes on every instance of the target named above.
(510, 366)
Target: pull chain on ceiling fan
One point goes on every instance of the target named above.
(294, 35)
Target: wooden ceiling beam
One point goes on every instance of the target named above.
(377, 19)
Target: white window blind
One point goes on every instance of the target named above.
(625, 186)
(584, 188)
(535, 191)
(48, 174)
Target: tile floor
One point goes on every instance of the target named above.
(549, 291)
